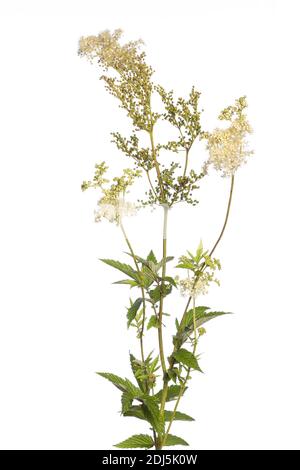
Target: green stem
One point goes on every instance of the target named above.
(144, 305)
(161, 303)
(142, 291)
(156, 164)
(150, 182)
(226, 217)
(183, 385)
(160, 324)
(186, 162)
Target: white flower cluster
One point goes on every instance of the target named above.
(188, 286)
(114, 212)
(228, 148)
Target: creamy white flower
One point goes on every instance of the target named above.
(228, 148)
(114, 212)
(188, 287)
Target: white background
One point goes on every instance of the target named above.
(61, 319)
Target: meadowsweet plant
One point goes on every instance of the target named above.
(160, 379)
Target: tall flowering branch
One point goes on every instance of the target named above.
(129, 78)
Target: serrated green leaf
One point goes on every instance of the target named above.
(148, 277)
(135, 411)
(175, 441)
(159, 291)
(199, 252)
(170, 280)
(127, 282)
(134, 391)
(132, 311)
(201, 317)
(126, 401)
(153, 322)
(186, 264)
(114, 379)
(188, 317)
(142, 441)
(172, 394)
(152, 257)
(152, 414)
(122, 384)
(186, 358)
(124, 268)
(178, 416)
(135, 367)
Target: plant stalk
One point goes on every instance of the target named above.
(142, 291)
(161, 303)
(160, 324)
(186, 162)
(183, 385)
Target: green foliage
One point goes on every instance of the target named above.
(172, 392)
(187, 319)
(126, 401)
(115, 379)
(159, 292)
(138, 369)
(122, 384)
(175, 441)
(151, 257)
(152, 413)
(185, 357)
(185, 329)
(145, 372)
(153, 322)
(178, 416)
(138, 412)
(142, 441)
(127, 282)
(202, 318)
(124, 268)
(199, 262)
(132, 310)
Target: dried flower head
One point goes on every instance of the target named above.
(228, 148)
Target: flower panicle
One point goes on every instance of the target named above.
(228, 147)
